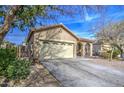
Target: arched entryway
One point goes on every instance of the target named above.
(84, 49)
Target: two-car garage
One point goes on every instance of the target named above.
(56, 49)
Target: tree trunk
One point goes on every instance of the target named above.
(1, 40)
(2, 37)
(121, 53)
(4, 31)
(111, 55)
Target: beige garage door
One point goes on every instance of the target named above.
(54, 50)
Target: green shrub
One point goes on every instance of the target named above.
(18, 69)
(116, 52)
(7, 56)
(13, 68)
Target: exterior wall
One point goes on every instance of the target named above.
(83, 52)
(55, 34)
(100, 48)
(66, 36)
(90, 49)
(83, 48)
(105, 47)
(75, 50)
(50, 34)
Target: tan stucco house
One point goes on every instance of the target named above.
(56, 41)
(99, 48)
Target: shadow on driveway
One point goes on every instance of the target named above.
(84, 73)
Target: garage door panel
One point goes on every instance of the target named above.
(52, 50)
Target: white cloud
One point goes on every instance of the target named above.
(87, 17)
(90, 18)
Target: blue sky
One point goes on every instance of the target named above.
(82, 27)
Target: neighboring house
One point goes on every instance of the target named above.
(99, 48)
(7, 44)
(55, 41)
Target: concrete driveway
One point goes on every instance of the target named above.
(84, 73)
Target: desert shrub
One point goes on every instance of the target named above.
(11, 67)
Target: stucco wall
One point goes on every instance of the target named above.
(57, 34)
(54, 34)
(66, 35)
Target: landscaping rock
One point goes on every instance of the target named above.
(39, 66)
(2, 79)
(11, 83)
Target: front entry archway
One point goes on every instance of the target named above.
(84, 49)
